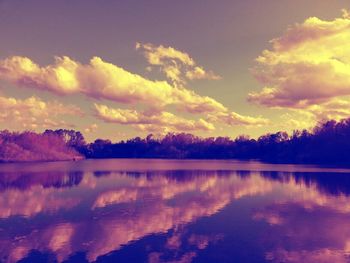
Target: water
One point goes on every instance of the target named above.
(173, 211)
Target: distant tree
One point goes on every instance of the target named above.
(327, 143)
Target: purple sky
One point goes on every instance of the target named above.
(195, 69)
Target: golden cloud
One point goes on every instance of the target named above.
(177, 66)
(309, 64)
(34, 113)
(92, 128)
(335, 109)
(150, 121)
(233, 118)
(102, 80)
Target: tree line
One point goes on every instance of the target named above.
(327, 143)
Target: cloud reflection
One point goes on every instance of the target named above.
(100, 212)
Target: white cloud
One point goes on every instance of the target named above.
(308, 65)
(177, 66)
(32, 113)
(151, 121)
(102, 80)
(307, 71)
(233, 118)
(92, 128)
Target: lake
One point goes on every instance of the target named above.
(181, 211)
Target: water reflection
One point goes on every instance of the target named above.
(188, 215)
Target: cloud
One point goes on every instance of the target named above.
(92, 128)
(177, 66)
(59, 77)
(200, 73)
(306, 118)
(308, 65)
(102, 80)
(151, 121)
(32, 113)
(335, 109)
(233, 118)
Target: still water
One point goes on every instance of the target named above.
(173, 211)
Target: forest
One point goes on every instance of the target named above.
(327, 143)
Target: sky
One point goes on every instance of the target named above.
(119, 69)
